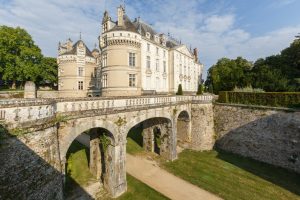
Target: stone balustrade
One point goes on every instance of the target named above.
(14, 111)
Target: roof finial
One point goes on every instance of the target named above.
(80, 35)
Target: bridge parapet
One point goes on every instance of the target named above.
(14, 111)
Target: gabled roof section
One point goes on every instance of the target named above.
(73, 51)
(143, 28)
(128, 26)
(183, 49)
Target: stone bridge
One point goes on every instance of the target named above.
(47, 129)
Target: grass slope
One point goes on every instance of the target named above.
(135, 141)
(233, 177)
(78, 168)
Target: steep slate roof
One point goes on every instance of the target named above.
(73, 51)
(143, 28)
(128, 26)
(171, 44)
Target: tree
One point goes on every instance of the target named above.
(200, 89)
(20, 58)
(227, 74)
(179, 91)
(48, 72)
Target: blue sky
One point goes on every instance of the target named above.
(218, 28)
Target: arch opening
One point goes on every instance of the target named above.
(151, 135)
(89, 160)
(183, 129)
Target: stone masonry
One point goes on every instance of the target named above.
(266, 134)
(36, 135)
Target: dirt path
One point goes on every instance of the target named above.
(162, 181)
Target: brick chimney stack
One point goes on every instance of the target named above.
(121, 12)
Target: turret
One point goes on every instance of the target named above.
(106, 22)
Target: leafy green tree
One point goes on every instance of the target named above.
(48, 72)
(200, 89)
(179, 91)
(227, 74)
(20, 58)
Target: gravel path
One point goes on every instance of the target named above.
(150, 173)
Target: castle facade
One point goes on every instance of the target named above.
(133, 60)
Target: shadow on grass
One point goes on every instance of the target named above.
(136, 134)
(277, 175)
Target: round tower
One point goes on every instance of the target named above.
(120, 46)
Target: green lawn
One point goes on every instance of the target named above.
(135, 141)
(235, 178)
(78, 169)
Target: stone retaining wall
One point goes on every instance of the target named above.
(30, 166)
(269, 135)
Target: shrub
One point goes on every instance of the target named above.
(200, 89)
(275, 99)
(247, 89)
(179, 91)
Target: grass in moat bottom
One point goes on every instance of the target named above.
(235, 178)
(135, 141)
(78, 172)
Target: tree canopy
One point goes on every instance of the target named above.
(21, 60)
(273, 74)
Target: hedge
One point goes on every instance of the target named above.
(274, 99)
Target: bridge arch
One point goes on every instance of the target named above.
(157, 126)
(183, 126)
(104, 162)
(71, 130)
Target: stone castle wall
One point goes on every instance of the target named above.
(266, 134)
(202, 131)
(30, 165)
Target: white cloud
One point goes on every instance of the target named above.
(213, 32)
(218, 24)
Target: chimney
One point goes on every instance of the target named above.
(196, 54)
(121, 12)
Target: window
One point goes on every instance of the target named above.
(157, 65)
(157, 83)
(132, 59)
(148, 62)
(165, 83)
(164, 53)
(165, 67)
(131, 80)
(105, 40)
(104, 61)
(120, 34)
(105, 27)
(80, 71)
(180, 68)
(148, 47)
(148, 82)
(157, 51)
(80, 85)
(104, 80)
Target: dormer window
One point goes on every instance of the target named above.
(105, 27)
(148, 35)
(157, 39)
